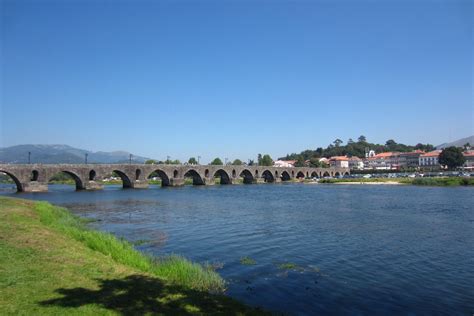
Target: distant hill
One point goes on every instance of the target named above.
(62, 154)
(458, 143)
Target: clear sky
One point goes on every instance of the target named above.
(234, 78)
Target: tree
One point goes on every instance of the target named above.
(251, 162)
(350, 141)
(151, 162)
(259, 159)
(217, 162)
(300, 162)
(266, 161)
(390, 143)
(338, 142)
(451, 157)
(192, 161)
(362, 139)
(466, 146)
(314, 162)
(237, 162)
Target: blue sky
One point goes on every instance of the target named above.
(234, 78)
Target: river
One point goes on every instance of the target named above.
(348, 249)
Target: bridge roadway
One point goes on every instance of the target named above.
(35, 177)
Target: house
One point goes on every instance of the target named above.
(429, 159)
(284, 163)
(383, 161)
(410, 159)
(339, 162)
(469, 163)
(355, 163)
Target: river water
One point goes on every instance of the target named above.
(354, 249)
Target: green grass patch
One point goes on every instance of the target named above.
(442, 181)
(174, 268)
(287, 266)
(247, 261)
(50, 263)
(447, 181)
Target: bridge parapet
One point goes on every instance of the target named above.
(35, 177)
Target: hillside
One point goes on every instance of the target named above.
(62, 154)
(458, 143)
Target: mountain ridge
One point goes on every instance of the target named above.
(61, 153)
(458, 143)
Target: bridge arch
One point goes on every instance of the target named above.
(197, 179)
(268, 176)
(77, 179)
(34, 175)
(92, 175)
(19, 186)
(165, 180)
(138, 172)
(223, 175)
(346, 173)
(285, 176)
(337, 174)
(325, 174)
(314, 174)
(300, 175)
(126, 182)
(247, 176)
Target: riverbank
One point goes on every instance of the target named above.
(446, 181)
(50, 263)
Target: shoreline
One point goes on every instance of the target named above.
(53, 264)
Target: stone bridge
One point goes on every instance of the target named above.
(35, 177)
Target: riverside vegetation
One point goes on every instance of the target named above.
(445, 181)
(52, 264)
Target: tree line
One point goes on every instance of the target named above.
(353, 148)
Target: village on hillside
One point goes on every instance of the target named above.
(388, 161)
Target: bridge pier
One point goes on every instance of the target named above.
(34, 186)
(209, 181)
(176, 182)
(93, 185)
(140, 184)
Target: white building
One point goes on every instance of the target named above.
(339, 162)
(284, 163)
(430, 159)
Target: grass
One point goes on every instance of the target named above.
(287, 266)
(447, 181)
(360, 180)
(442, 181)
(50, 263)
(247, 261)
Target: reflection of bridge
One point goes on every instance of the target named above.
(35, 177)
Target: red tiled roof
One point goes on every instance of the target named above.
(434, 153)
(469, 153)
(386, 154)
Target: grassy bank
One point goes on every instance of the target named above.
(51, 264)
(446, 181)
